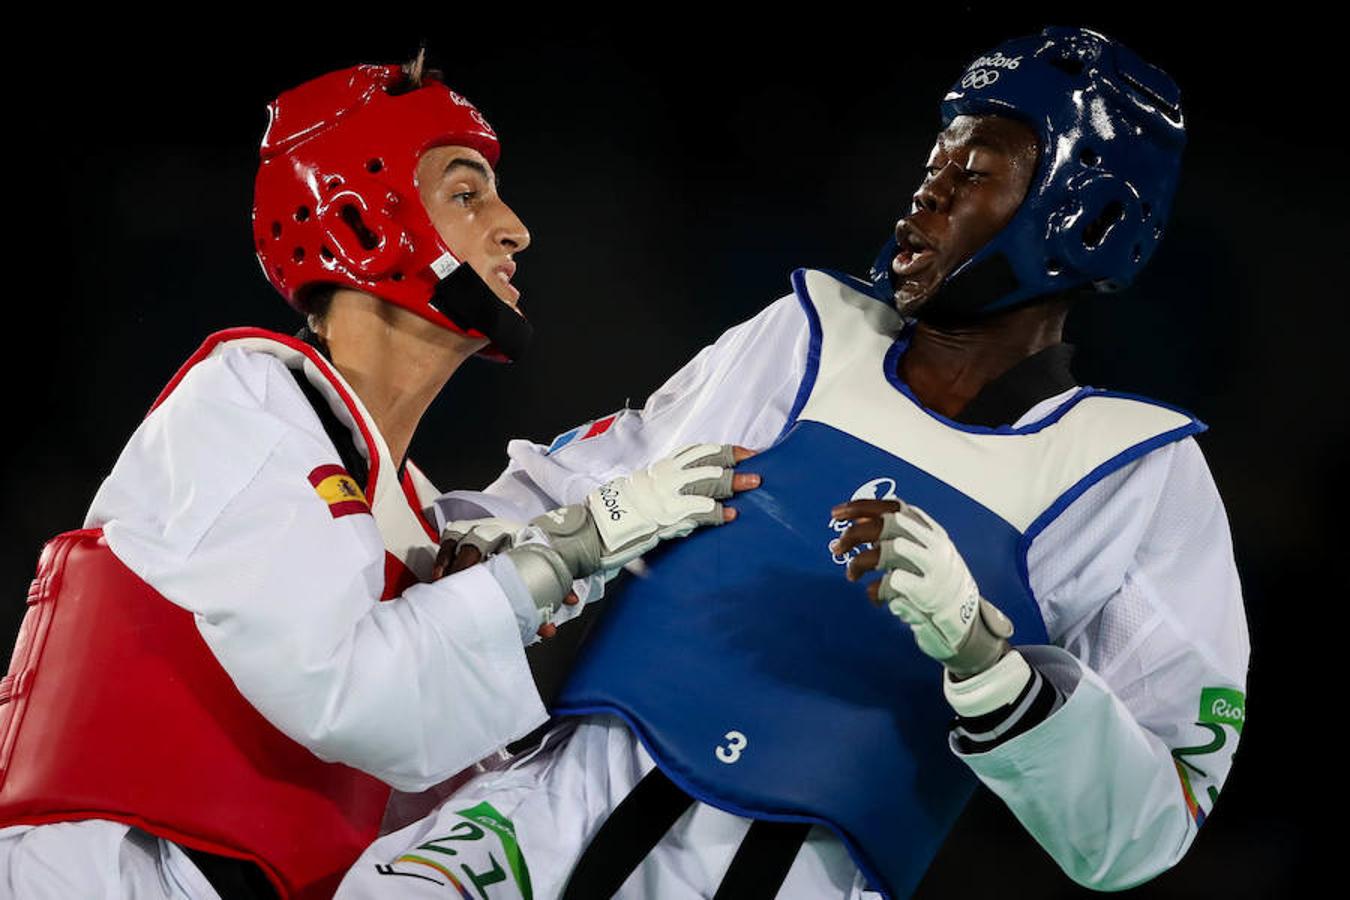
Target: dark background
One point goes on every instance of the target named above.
(672, 175)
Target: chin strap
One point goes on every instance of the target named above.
(466, 300)
(980, 286)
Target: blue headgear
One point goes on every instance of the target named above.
(1111, 135)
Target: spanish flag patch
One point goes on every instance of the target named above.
(339, 490)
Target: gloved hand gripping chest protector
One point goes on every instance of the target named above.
(617, 523)
(927, 584)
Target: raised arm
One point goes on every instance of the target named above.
(738, 390)
(1110, 744)
(1117, 781)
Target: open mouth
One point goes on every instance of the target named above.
(914, 252)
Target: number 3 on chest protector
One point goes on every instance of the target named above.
(730, 752)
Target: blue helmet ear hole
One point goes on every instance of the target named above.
(1054, 268)
(1089, 157)
(1136, 253)
(1145, 210)
(1096, 230)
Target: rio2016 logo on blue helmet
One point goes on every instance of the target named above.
(1111, 136)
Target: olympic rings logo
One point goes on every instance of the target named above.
(979, 78)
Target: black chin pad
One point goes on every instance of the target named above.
(964, 297)
(466, 300)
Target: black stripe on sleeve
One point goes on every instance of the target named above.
(1033, 706)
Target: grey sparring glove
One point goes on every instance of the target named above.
(624, 518)
(926, 583)
(540, 568)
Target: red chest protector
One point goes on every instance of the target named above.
(115, 708)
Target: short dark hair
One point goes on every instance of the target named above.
(416, 74)
(315, 300)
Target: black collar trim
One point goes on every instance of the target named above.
(1007, 398)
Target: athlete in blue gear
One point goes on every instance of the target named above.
(741, 723)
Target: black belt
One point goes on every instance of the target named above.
(639, 823)
(233, 879)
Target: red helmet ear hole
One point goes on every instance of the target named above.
(301, 213)
(375, 165)
(326, 254)
(334, 184)
(298, 255)
(276, 230)
(352, 217)
(397, 276)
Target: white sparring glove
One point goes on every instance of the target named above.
(926, 583)
(617, 523)
(668, 499)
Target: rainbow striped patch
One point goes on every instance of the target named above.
(336, 487)
(1192, 805)
(422, 860)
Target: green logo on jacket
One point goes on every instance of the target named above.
(1223, 706)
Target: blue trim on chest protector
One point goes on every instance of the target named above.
(753, 628)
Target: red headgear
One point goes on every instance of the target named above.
(336, 199)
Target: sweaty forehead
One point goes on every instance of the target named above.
(1007, 136)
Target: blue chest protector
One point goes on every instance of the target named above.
(764, 683)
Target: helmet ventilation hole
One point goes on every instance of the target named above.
(1068, 65)
(301, 213)
(1145, 210)
(1096, 230)
(298, 255)
(1152, 98)
(1138, 252)
(352, 216)
(326, 253)
(1053, 267)
(276, 230)
(374, 165)
(1089, 157)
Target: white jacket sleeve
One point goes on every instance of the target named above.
(1141, 598)
(211, 505)
(736, 391)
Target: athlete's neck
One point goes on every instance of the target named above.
(947, 365)
(396, 361)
